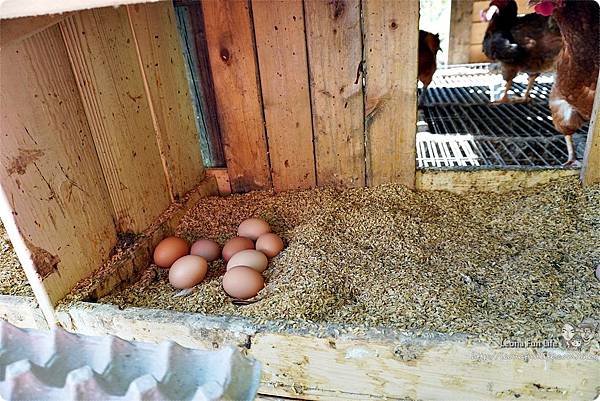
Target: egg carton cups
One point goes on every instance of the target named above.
(58, 365)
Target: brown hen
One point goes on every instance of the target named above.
(572, 96)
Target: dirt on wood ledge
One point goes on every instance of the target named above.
(12, 276)
(496, 266)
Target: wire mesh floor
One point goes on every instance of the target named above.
(459, 127)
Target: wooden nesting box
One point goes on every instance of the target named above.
(99, 158)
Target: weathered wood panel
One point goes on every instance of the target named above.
(590, 172)
(390, 94)
(58, 206)
(370, 366)
(281, 48)
(105, 61)
(461, 12)
(191, 27)
(229, 35)
(157, 39)
(334, 41)
(22, 312)
(222, 178)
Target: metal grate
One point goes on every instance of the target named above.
(459, 127)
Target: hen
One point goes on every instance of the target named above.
(429, 45)
(572, 96)
(528, 43)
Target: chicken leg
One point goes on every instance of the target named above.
(572, 162)
(530, 82)
(505, 98)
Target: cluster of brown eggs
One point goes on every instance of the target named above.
(246, 255)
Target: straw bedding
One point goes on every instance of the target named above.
(512, 265)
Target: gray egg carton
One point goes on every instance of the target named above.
(58, 365)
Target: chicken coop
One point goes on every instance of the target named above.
(124, 122)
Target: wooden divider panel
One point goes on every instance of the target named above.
(105, 61)
(390, 37)
(333, 33)
(281, 47)
(459, 47)
(49, 170)
(229, 35)
(155, 29)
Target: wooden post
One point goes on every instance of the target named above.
(390, 37)
(281, 48)
(335, 52)
(191, 28)
(56, 205)
(230, 39)
(461, 12)
(590, 171)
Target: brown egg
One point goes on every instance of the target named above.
(188, 271)
(169, 250)
(269, 244)
(206, 248)
(242, 282)
(253, 259)
(253, 228)
(235, 245)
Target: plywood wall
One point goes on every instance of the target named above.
(478, 28)
(97, 136)
(315, 93)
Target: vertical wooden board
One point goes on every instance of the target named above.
(233, 63)
(335, 51)
(155, 29)
(281, 47)
(105, 61)
(191, 27)
(390, 48)
(459, 48)
(590, 171)
(49, 170)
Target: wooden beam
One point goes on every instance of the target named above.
(487, 180)
(229, 35)
(161, 61)
(590, 171)
(281, 48)
(459, 47)
(14, 30)
(391, 91)
(335, 52)
(56, 207)
(103, 54)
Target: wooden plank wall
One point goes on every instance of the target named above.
(308, 93)
(461, 12)
(478, 28)
(97, 138)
